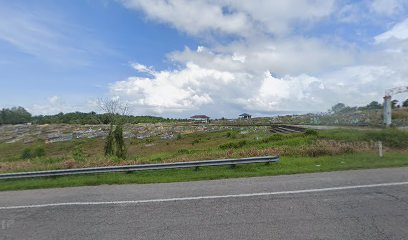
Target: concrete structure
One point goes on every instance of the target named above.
(387, 111)
(387, 103)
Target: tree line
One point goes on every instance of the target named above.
(342, 108)
(19, 115)
(14, 115)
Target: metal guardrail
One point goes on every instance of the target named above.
(132, 168)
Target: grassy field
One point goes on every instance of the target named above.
(326, 150)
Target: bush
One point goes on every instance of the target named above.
(235, 145)
(311, 132)
(121, 149)
(109, 144)
(26, 154)
(78, 153)
(39, 152)
(231, 135)
(29, 153)
(183, 151)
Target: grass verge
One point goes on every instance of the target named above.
(287, 165)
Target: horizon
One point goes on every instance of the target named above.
(293, 56)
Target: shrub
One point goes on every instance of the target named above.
(183, 151)
(311, 132)
(29, 153)
(121, 150)
(78, 153)
(109, 144)
(178, 136)
(26, 154)
(235, 145)
(39, 152)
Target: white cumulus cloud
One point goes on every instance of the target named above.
(177, 90)
(397, 32)
(242, 18)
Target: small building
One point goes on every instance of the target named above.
(245, 116)
(200, 118)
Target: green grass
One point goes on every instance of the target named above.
(287, 165)
(390, 137)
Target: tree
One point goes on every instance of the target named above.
(115, 111)
(405, 103)
(394, 103)
(119, 142)
(15, 115)
(338, 107)
(374, 105)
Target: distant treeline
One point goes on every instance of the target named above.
(18, 115)
(342, 108)
(15, 115)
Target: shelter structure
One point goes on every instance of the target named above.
(200, 118)
(245, 116)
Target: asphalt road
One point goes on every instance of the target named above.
(364, 204)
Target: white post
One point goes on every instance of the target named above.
(380, 149)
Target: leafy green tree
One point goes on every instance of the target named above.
(394, 103)
(405, 103)
(15, 115)
(374, 105)
(338, 107)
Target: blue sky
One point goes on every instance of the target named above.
(221, 58)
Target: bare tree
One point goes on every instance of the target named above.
(115, 110)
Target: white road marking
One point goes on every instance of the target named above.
(204, 197)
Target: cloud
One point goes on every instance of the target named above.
(56, 104)
(180, 14)
(242, 18)
(285, 93)
(209, 81)
(290, 55)
(398, 32)
(387, 7)
(177, 90)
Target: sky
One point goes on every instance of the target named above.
(177, 58)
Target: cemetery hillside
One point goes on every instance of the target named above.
(343, 138)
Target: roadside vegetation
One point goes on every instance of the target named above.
(287, 165)
(312, 151)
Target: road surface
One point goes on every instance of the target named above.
(363, 204)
